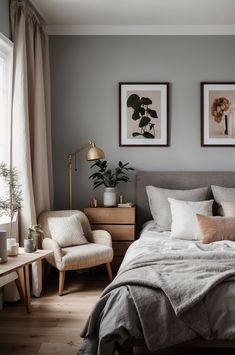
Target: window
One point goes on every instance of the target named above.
(6, 59)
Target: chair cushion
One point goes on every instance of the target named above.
(66, 231)
(85, 256)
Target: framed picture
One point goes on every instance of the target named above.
(143, 114)
(218, 114)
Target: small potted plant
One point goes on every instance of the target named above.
(110, 179)
(10, 201)
(30, 243)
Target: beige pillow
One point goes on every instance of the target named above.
(223, 194)
(216, 228)
(66, 231)
(184, 221)
(160, 207)
(228, 209)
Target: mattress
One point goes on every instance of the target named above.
(219, 302)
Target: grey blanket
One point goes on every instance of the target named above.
(158, 297)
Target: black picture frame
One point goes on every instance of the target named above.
(217, 114)
(144, 114)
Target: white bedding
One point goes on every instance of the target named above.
(219, 302)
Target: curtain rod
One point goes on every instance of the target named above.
(37, 12)
(31, 5)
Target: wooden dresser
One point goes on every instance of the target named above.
(119, 222)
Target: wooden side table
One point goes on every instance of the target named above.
(23, 260)
(119, 222)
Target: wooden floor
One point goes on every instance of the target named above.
(55, 323)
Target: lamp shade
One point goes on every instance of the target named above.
(94, 153)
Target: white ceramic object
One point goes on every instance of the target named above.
(3, 246)
(110, 197)
(12, 247)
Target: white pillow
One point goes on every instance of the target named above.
(159, 205)
(228, 209)
(66, 231)
(184, 220)
(223, 194)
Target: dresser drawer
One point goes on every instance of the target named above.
(111, 215)
(118, 232)
(120, 248)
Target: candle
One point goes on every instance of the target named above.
(12, 247)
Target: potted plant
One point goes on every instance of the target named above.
(10, 201)
(30, 243)
(110, 179)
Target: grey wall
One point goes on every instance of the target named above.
(85, 73)
(5, 18)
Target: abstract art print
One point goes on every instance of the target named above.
(143, 114)
(218, 114)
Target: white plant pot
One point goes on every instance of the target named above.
(110, 197)
(3, 246)
(12, 247)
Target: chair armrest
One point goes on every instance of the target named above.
(56, 258)
(102, 237)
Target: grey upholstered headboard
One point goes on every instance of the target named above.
(175, 180)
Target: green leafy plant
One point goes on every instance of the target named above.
(34, 230)
(144, 114)
(11, 201)
(107, 177)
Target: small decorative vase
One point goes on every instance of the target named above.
(110, 197)
(12, 247)
(3, 246)
(29, 246)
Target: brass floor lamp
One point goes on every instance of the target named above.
(93, 153)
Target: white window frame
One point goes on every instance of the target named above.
(6, 52)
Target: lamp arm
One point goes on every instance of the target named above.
(80, 149)
(97, 153)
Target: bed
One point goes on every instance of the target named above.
(145, 298)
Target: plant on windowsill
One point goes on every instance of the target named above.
(110, 179)
(30, 242)
(10, 201)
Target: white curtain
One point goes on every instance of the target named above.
(31, 121)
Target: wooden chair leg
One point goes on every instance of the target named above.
(110, 273)
(61, 283)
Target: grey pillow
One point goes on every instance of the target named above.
(160, 207)
(223, 194)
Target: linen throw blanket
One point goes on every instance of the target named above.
(158, 297)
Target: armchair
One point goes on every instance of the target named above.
(97, 251)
